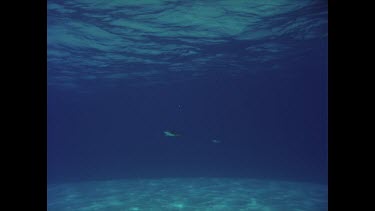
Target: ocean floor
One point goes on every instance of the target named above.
(187, 194)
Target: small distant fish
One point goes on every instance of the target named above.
(215, 141)
(171, 133)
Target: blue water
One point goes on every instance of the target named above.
(243, 82)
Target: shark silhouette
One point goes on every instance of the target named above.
(171, 133)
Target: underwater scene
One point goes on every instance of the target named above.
(172, 105)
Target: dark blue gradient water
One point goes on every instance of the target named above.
(252, 76)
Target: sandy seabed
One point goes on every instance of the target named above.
(187, 194)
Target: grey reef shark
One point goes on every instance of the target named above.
(171, 133)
